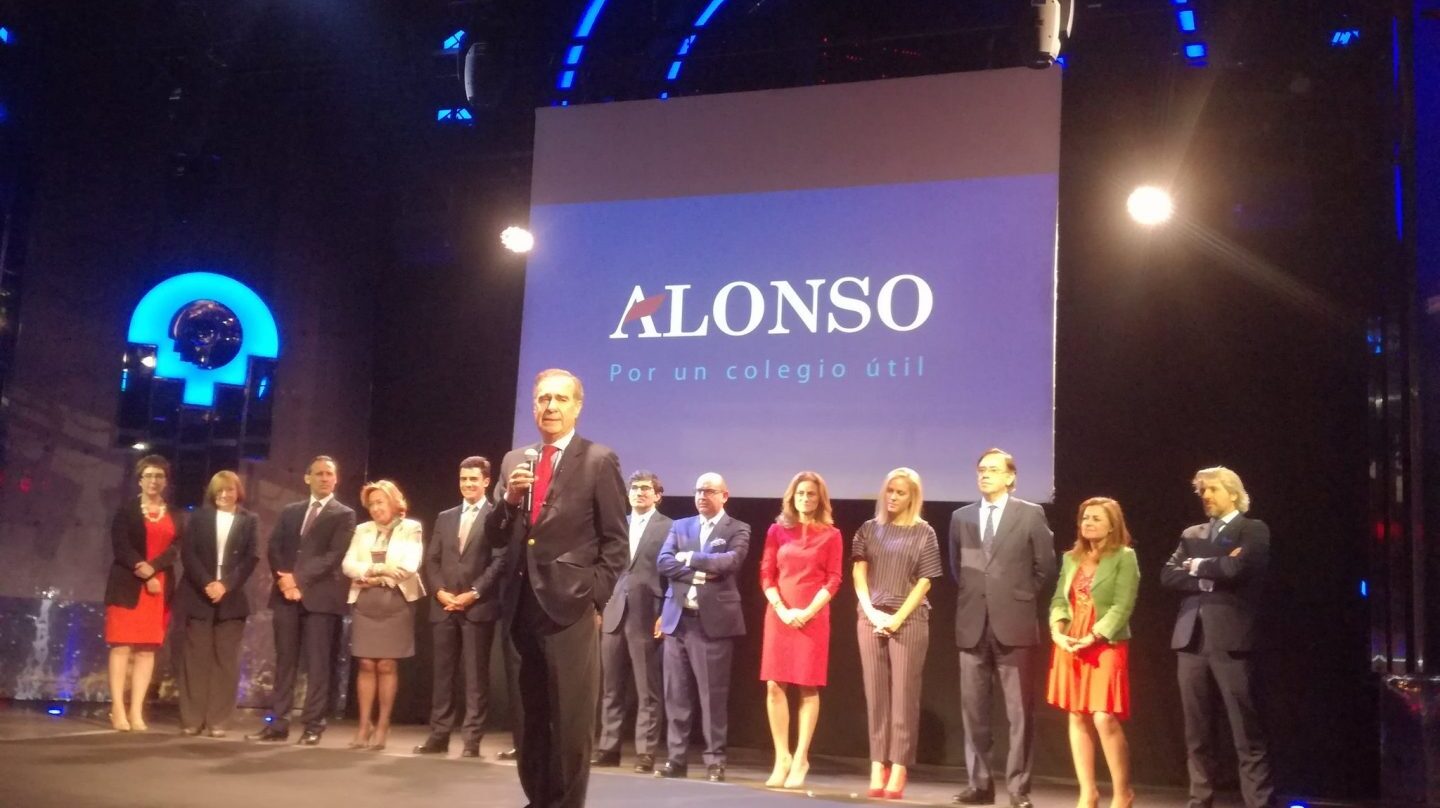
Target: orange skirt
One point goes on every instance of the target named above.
(1095, 680)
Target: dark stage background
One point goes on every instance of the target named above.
(1235, 336)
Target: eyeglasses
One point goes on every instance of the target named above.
(708, 492)
(153, 475)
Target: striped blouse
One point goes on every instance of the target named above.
(898, 557)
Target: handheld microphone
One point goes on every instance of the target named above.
(530, 457)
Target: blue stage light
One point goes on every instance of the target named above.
(567, 79)
(6, 37)
(56, 711)
(573, 56)
(674, 71)
(1186, 18)
(1364, 589)
(708, 13)
(588, 21)
(685, 45)
(455, 115)
(151, 321)
(1345, 38)
(452, 43)
(1195, 50)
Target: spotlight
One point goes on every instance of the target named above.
(56, 711)
(517, 240)
(1150, 206)
(148, 361)
(141, 446)
(1054, 20)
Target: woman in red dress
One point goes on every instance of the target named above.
(799, 573)
(1090, 626)
(137, 595)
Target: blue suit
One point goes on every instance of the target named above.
(699, 643)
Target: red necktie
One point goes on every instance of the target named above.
(543, 473)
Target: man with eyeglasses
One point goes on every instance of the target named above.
(700, 620)
(562, 555)
(629, 643)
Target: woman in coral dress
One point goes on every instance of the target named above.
(799, 573)
(1090, 626)
(137, 594)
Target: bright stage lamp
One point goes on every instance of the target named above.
(1150, 206)
(517, 240)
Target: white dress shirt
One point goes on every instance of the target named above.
(223, 522)
(1206, 584)
(985, 513)
(638, 521)
(707, 526)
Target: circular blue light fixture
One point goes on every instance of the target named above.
(205, 327)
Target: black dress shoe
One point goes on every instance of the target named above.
(1021, 801)
(268, 734)
(470, 751)
(310, 738)
(975, 796)
(716, 773)
(671, 770)
(508, 754)
(645, 764)
(434, 745)
(603, 757)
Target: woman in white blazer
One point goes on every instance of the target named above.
(383, 565)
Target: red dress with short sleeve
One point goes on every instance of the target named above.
(145, 624)
(799, 561)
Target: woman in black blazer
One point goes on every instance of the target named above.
(219, 552)
(145, 537)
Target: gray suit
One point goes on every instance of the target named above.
(997, 628)
(629, 653)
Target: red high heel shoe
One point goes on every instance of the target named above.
(879, 793)
(899, 793)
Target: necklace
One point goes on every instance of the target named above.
(159, 513)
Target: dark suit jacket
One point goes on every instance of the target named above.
(242, 553)
(639, 590)
(720, 559)
(577, 548)
(478, 568)
(1228, 612)
(127, 541)
(314, 558)
(1006, 587)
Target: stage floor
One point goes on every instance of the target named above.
(76, 759)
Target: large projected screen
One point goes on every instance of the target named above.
(847, 279)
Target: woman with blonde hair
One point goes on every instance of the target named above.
(1090, 626)
(799, 574)
(383, 565)
(219, 552)
(896, 556)
(143, 536)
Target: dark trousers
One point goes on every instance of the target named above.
(631, 674)
(892, 668)
(313, 637)
(1200, 673)
(559, 690)
(694, 662)
(1015, 667)
(461, 646)
(210, 672)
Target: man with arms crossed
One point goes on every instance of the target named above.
(464, 573)
(1220, 566)
(1002, 554)
(562, 558)
(307, 601)
(701, 619)
(629, 649)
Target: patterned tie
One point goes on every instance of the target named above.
(987, 537)
(467, 521)
(543, 473)
(310, 517)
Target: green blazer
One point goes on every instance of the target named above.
(1117, 582)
